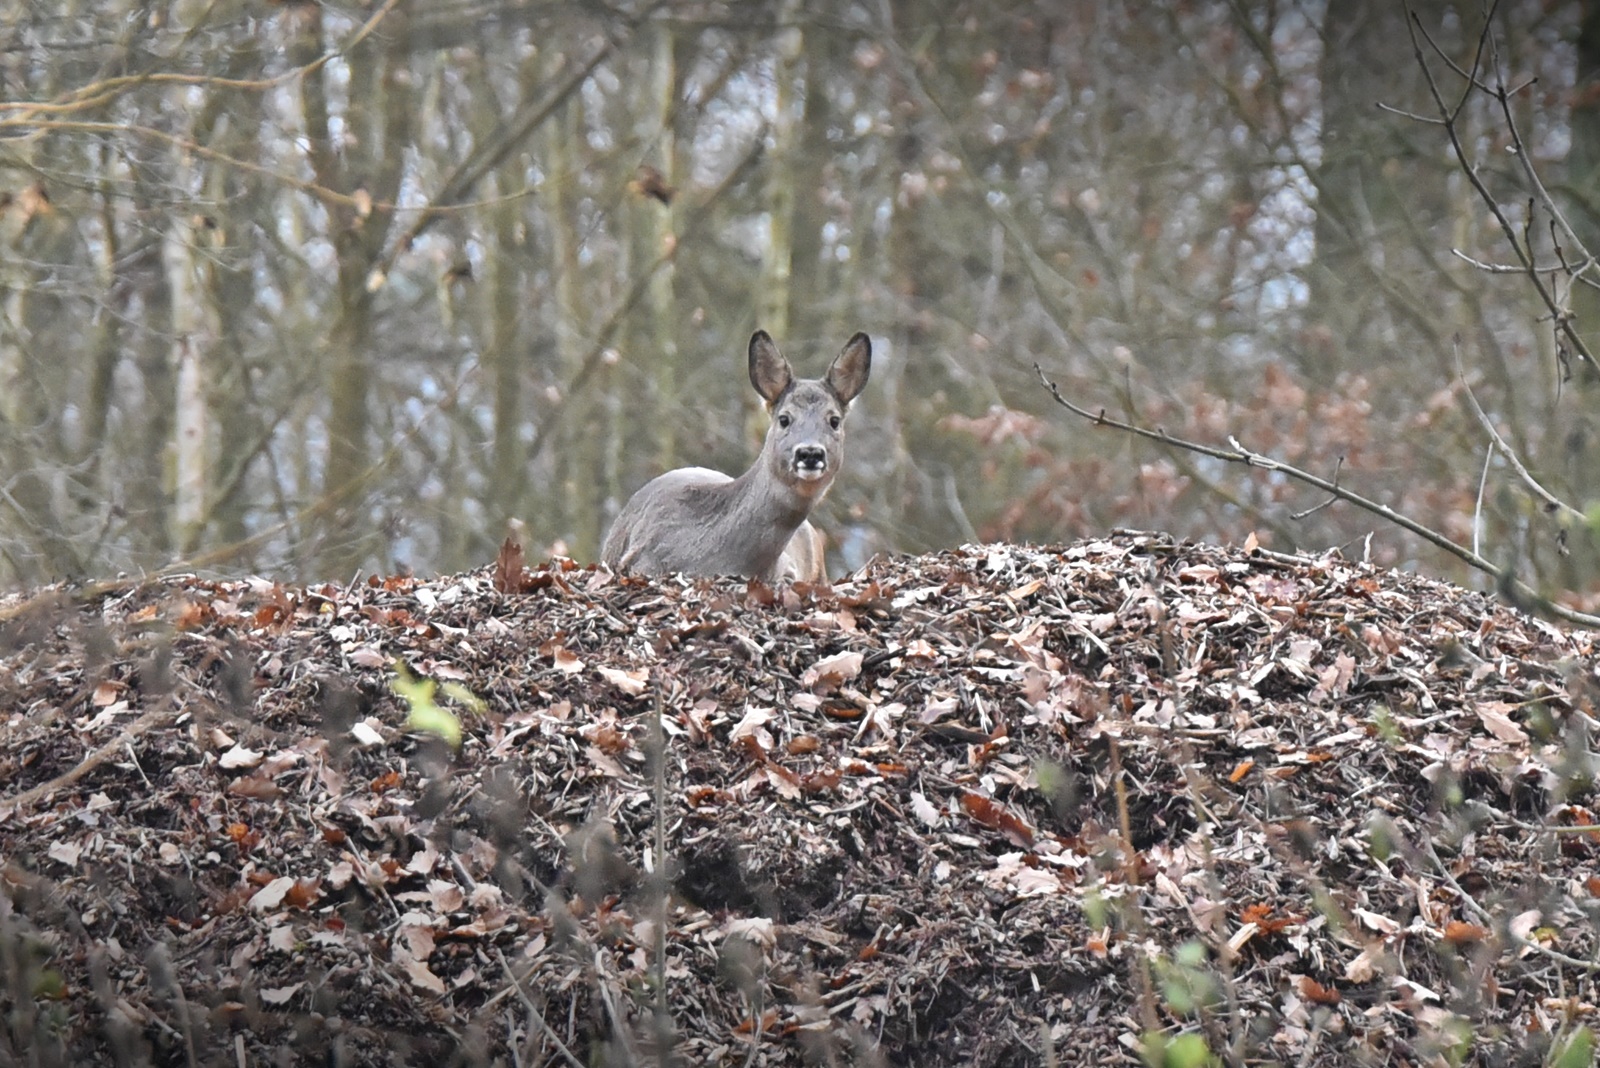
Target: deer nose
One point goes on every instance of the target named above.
(810, 457)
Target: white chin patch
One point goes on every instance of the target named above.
(810, 474)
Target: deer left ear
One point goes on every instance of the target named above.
(769, 371)
(847, 375)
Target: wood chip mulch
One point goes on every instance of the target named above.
(1123, 802)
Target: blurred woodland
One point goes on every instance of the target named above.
(318, 289)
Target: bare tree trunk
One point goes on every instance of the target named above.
(502, 296)
(1367, 56)
(193, 343)
(578, 465)
(107, 343)
(233, 122)
(1580, 422)
(507, 355)
(377, 121)
(649, 419)
(146, 498)
(661, 225)
(809, 303)
(33, 235)
(772, 296)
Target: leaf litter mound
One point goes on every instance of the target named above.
(1128, 801)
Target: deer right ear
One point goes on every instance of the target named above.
(849, 370)
(769, 371)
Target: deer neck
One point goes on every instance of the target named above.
(763, 512)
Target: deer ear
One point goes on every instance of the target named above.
(769, 371)
(847, 374)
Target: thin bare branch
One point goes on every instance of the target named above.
(1468, 76)
(1554, 503)
(1524, 253)
(100, 93)
(533, 1011)
(1314, 509)
(1525, 596)
(1493, 268)
(1413, 116)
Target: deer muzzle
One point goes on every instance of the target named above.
(810, 462)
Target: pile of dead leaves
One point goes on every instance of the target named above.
(1129, 801)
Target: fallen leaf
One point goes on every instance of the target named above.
(631, 683)
(65, 852)
(1364, 965)
(365, 732)
(240, 757)
(420, 975)
(992, 814)
(758, 930)
(271, 896)
(1461, 933)
(753, 725)
(368, 656)
(832, 671)
(280, 995)
(1315, 992)
(1381, 924)
(1497, 721)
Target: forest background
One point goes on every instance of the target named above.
(312, 290)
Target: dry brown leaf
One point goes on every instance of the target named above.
(417, 933)
(822, 780)
(995, 816)
(1460, 933)
(256, 788)
(240, 757)
(419, 974)
(1364, 965)
(629, 681)
(280, 995)
(1496, 718)
(303, 894)
(603, 762)
(1376, 922)
(831, 672)
(748, 1024)
(509, 566)
(271, 896)
(1316, 993)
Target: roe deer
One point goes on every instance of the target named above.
(701, 522)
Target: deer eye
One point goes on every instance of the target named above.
(784, 420)
(834, 421)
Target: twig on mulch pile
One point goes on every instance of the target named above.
(893, 807)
